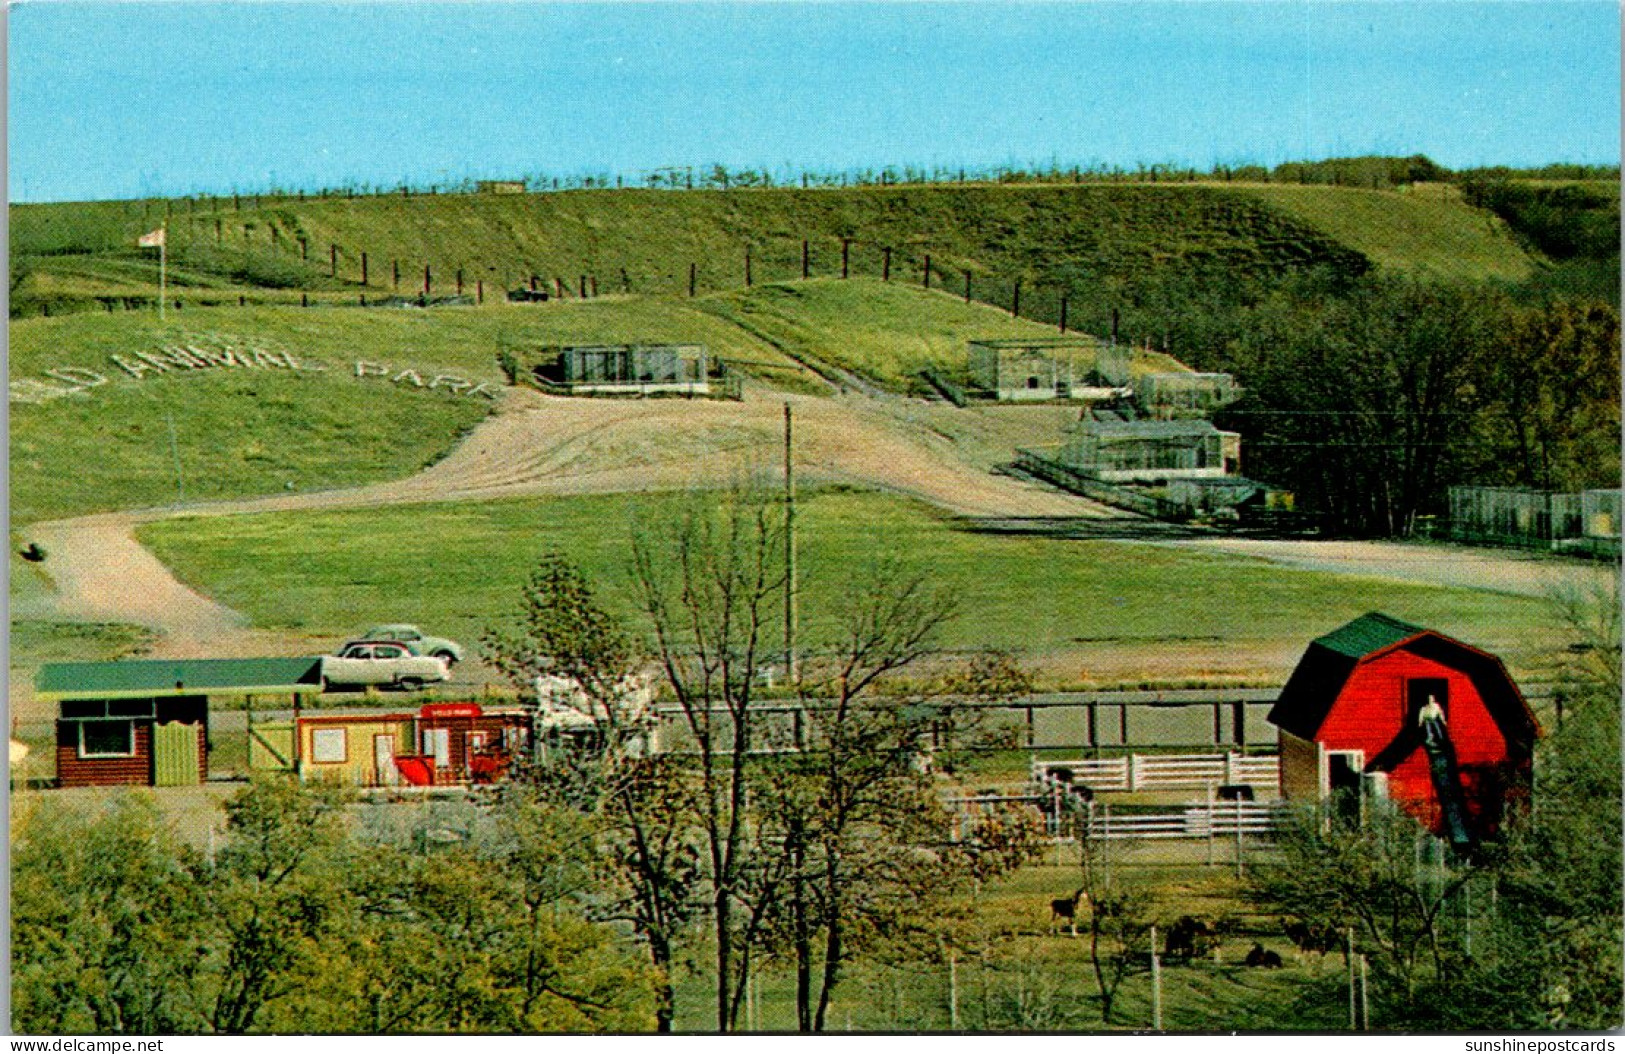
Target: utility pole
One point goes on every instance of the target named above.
(792, 670)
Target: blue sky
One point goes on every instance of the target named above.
(129, 99)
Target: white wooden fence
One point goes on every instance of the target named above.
(1194, 820)
(1137, 772)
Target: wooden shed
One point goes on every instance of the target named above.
(1381, 706)
(439, 744)
(146, 722)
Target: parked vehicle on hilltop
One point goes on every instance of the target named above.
(382, 662)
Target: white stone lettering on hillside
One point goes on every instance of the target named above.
(215, 351)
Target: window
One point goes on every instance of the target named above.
(327, 746)
(389, 651)
(107, 739)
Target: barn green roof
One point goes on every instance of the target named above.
(1329, 661)
(1368, 633)
(143, 677)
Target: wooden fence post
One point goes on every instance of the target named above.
(479, 290)
(1015, 301)
(967, 287)
(747, 267)
(846, 251)
(806, 259)
(332, 261)
(693, 278)
(363, 268)
(885, 268)
(395, 267)
(927, 271)
(459, 281)
(1063, 314)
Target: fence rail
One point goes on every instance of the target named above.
(1137, 772)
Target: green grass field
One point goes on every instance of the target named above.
(458, 567)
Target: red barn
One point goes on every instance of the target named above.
(1383, 706)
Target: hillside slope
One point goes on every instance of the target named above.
(1079, 240)
(103, 418)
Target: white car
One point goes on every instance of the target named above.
(363, 662)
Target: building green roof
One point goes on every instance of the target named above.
(146, 677)
(1368, 633)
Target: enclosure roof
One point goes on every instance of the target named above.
(1330, 660)
(1034, 342)
(1148, 429)
(145, 677)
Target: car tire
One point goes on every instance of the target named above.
(410, 684)
(447, 657)
(327, 686)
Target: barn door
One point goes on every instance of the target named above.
(175, 755)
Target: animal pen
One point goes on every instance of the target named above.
(1150, 451)
(1178, 393)
(634, 369)
(1037, 369)
(1586, 523)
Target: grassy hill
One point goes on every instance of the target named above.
(161, 436)
(1082, 240)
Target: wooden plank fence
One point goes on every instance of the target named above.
(1136, 772)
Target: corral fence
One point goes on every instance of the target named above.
(1193, 720)
(1136, 772)
(1068, 819)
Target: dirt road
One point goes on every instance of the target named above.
(536, 444)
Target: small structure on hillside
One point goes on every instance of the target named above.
(442, 744)
(1587, 522)
(1383, 707)
(1035, 369)
(146, 722)
(1209, 495)
(633, 369)
(1181, 393)
(1150, 451)
(500, 186)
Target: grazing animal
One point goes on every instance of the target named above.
(1316, 938)
(1188, 937)
(1065, 909)
(1262, 956)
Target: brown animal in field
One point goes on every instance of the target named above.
(1189, 937)
(1262, 956)
(1065, 909)
(1313, 939)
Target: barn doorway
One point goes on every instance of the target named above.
(1345, 782)
(1419, 691)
